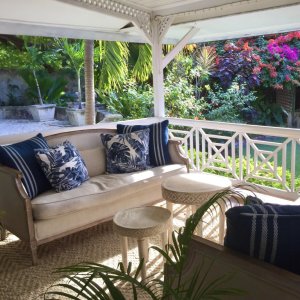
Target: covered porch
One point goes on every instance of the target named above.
(239, 151)
(263, 155)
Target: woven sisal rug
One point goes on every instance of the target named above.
(20, 280)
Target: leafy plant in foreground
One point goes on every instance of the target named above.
(97, 281)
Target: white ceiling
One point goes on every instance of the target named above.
(216, 19)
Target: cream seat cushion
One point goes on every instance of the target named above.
(98, 189)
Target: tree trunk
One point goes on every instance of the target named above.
(89, 82)
(38, 88)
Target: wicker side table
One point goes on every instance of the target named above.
(194, 189)
(141, 223)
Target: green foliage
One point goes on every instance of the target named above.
(83, 279)
(229, 105)
(10, 57)
(180, 100)
(111, 68)
(52, 89)
(267, 112)
(132, 102)
(74, 49)
(140, 61)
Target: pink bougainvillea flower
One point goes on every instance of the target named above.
(287, 78)
(256, 70)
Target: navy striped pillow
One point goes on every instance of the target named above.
(21, 156)
(268, 232)
(158, 143)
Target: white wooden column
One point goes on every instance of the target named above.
(157, 69)
(160, 26)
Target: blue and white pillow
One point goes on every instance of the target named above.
(21, 156)
(158, 141)
(63, 166)
(127, 152)
(268, 232)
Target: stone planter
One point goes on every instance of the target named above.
(43, 112)
(61, 113)
(76, 117)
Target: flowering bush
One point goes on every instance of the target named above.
(238, 63)
(280, 65)
(272, 61)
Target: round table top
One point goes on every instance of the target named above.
(141, 221)
(193, 188)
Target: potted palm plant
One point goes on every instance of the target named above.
(35, 63)
(83, 279)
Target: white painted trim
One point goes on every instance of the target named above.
(179, 46)
(192, 14)
(75, 33)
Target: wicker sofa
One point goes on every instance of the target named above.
(52, 215)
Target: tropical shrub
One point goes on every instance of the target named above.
(132, 102)
(264, 111)
(279, 61)
(230, 105)
(180, 100)
(237, 64)
(52, 89)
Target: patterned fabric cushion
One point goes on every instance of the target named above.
(268, 232)
(158, 143)
(63, 166)
(21, 156)
(127, 152)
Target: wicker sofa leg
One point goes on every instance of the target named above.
(33, 248)
(2, 233)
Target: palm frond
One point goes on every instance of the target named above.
(113, 57)
(143, 65)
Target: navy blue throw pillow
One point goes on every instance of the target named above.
(268, 232)
(63, 166)
(21, 156)
(126, 152)
(158, 142)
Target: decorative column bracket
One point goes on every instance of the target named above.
(163, 24)
(179, 46)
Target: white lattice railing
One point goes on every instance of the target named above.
(264, 155)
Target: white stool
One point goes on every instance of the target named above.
(141, 223)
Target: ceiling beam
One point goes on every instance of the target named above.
(229, 9)
(75, 33)
(140, 18)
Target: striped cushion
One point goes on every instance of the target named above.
(21, 156)
(268, 232)
(158, 143)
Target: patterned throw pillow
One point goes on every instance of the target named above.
(63, 166)
(126, 153)
(158, 141)
(269, 232)
(21, 156)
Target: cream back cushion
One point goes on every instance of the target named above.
(89, 146)
(95, 160)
